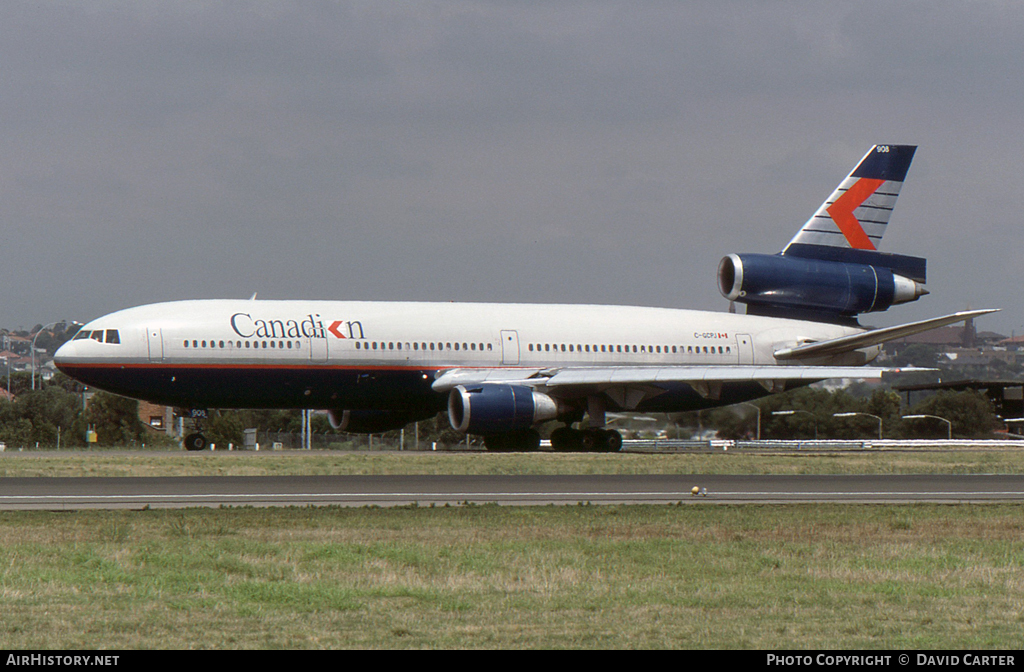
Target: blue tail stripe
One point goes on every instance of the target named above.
(886, 162)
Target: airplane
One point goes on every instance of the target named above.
(501, 370)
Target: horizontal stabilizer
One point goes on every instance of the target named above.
(837, 346)
(914, 268)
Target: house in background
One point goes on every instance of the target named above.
(157, 418)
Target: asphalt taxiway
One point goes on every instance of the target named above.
(214, 491)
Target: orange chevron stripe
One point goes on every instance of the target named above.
(841, 212)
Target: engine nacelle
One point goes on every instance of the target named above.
(370, 422)
(498, 408)
(778, 281)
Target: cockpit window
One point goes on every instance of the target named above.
(99, 335)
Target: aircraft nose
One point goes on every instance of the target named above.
(65, 354)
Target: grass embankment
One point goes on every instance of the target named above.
(848, 577)
(282, 463)
(769, 577)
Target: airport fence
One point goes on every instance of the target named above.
(818, 445)
(293, 441)
(265, 440)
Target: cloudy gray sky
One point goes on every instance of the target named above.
(598, 152)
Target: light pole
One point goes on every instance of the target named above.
(758, 409)
(852, 414)
(794, 412)
(949, 425)
(51, 324)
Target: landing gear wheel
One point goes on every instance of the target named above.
(566, 440)
(524, 440)
(592, 440)
(613, 443)
(586, 440)
(195, 442)
(496, 443)
(601, 440)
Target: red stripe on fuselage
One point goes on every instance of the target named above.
(268, 367)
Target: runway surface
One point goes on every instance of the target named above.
(183, 492)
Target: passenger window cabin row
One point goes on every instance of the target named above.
(240, 345)
(553, 347)
(395, 345)
(111, 336)
(645, 349)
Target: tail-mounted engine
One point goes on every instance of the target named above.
(825, 281)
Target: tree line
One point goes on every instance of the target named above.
(57, 413)
(809, 413)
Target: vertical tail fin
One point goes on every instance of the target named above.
(857, 212)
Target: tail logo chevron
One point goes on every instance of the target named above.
(841, 212)
(857, 212)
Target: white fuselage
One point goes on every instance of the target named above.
(355, 354)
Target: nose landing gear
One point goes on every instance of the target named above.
(195, 441)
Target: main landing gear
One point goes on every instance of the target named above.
(563, 440)
(568, 440)
(596, 439)
(522, 441)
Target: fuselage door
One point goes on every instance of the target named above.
(510, 347)
(156, 344)
(318, 350)
(745, 348)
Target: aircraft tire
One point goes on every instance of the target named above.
(566, 440)
(529, 440)
(526, 440)
(195, 442)
(496, 443)
(601, 441)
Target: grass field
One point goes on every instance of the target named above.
(852, 577)
(279, 463)
(765, 577)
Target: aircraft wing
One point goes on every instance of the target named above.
(705, 379)
(836, 346)
(720, 374)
